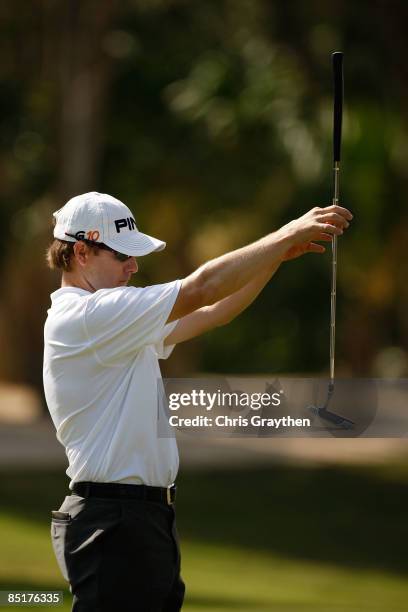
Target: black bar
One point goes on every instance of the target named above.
(338, 103)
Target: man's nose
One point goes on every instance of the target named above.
(131, 265)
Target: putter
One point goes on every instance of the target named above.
(323, 412)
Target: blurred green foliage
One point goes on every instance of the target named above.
(212, 121)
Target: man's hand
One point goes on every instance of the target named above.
(318, 224)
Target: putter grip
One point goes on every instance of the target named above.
(338, 103)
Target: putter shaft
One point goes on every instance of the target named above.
(336, 172)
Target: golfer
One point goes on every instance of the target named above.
(114, 536)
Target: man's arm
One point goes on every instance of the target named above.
(229, 273)
(224, 311)
(220, 313)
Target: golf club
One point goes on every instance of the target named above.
(323, 412)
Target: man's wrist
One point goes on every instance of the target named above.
(284, 239)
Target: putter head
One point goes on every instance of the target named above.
(332, 417)
(342, 422)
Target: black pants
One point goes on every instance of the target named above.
(119, 554)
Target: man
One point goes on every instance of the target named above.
(114, 536)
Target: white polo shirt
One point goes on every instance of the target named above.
(101, 373)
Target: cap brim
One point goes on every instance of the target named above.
(136, 244)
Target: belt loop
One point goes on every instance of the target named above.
(168, 492)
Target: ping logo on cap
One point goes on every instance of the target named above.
(129, 222)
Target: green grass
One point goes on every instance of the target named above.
(282, 539)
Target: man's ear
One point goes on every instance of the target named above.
(81, 252)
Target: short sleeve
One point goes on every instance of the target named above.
(121, 321)
(163, 352)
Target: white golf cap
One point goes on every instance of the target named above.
(102, 218)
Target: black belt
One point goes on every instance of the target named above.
(126, 491)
